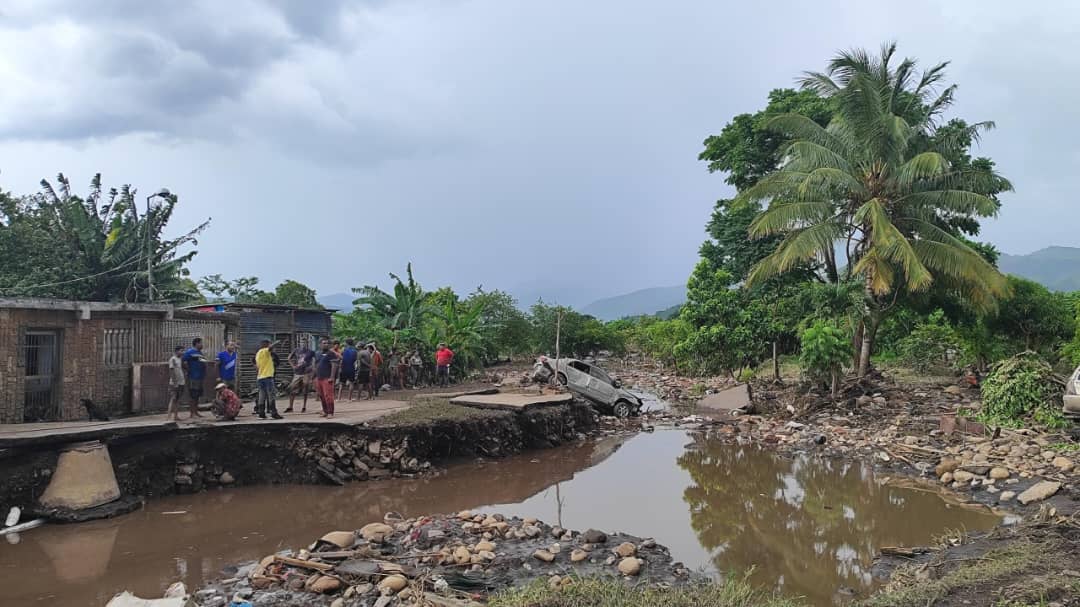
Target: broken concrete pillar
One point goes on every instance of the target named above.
(84, 478)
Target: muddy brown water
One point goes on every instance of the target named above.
(808, 527)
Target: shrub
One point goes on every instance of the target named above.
(1022, 389)
(825, 348)
(932, 344)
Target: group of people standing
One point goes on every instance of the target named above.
(331, 371)
(187, 373)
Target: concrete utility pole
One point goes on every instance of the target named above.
(164, 193)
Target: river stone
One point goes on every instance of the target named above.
(486, 555)
(1038, 492)
(462, 555)
(338, 602)
(578, 555)
(999, 473)
(626, 549)
(1063, 463)
(982, 470)
(946, 465)
(592, 536)
(544, 555)
(393, 584)
(485, 546)
(1006, 496)
(531, 531)
(326, 584)
(630, 566)
(946, 478)
(360, 568)
(376, 532)
(341, 539)
(963, 476)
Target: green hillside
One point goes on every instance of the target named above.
(1057, 268)
(638, 303)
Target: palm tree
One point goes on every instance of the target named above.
(406, 308)
(877, 185)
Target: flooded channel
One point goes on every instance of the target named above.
(808, 527)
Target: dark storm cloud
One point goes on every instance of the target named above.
(548, 146)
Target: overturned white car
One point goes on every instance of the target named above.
(590, 382)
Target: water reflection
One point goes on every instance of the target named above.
(191, 538)
(808, 526)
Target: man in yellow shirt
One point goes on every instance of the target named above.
(267, 399)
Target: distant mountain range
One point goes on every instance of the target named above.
(638, 303)
(337, 301)
(1056, 268)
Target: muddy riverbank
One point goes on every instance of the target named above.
(193, 458)
(807, 526)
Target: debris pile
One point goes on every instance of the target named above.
(357, 458)
(443, 560)
(922, 432)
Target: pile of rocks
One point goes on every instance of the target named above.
(918, 432)
(357, 458)
(446, 560)
(191, 476)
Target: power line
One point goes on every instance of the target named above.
(131, 261)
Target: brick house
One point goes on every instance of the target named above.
(53, 353)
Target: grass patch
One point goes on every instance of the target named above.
(428, 409)
(607, 592)
(1065, 447)
(909, 589)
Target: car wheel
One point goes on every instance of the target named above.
(622, 409)
(561, 378)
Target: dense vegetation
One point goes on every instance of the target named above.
(851, 240)
(101, 247)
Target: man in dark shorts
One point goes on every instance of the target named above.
(347, 375)
(196, 373)
(302, 360)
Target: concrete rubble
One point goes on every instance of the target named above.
(449, 561)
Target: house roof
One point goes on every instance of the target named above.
(232, 306)
(84, 307)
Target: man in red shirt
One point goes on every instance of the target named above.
(443, 357)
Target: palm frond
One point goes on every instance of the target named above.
(784, 216)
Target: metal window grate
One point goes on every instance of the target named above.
(117, 347)
(41, 360)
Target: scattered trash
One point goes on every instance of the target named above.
(13, 517)
(23, 526)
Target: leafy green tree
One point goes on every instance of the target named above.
(293, 293)
(1034, 316)
(728, 328)
(101, 247)
(747, 149)
(824, 349)
(579, 334)
(930, 344)
(507, 327)
(878, 182)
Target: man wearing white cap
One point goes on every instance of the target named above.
(226, 403)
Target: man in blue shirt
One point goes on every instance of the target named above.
(195, 365)
(227, 365)
(347, 376)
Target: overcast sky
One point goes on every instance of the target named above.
(542, 147)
